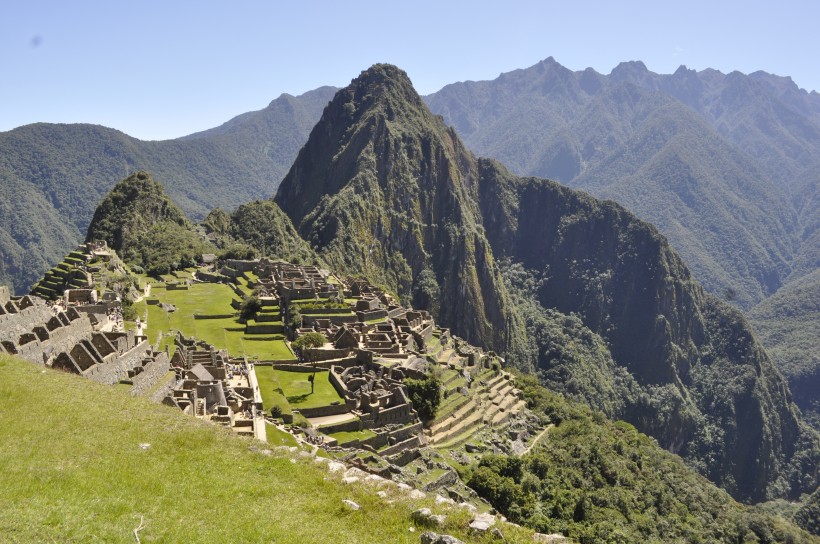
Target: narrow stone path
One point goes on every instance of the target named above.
(537, 438)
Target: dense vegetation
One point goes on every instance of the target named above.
(426, 396)
(146, 228)
(808, 516)
(53, 176)
(789, 326)
(263, 226)
(598, 482)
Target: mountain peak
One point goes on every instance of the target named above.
(629, 69)
(379, 102)
(383, 74)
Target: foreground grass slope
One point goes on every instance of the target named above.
(72, 469)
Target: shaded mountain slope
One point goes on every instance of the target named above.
(788, 323)
(383, 188)
(53, 176)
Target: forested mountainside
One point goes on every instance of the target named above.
(384, 188)
(725, 165)
(788, 323)
(53, 176)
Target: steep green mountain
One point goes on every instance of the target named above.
(53, 176)
(712, 160)
(384, 188)
(264, 226)
(145, 227)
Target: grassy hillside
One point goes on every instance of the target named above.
(72, 469)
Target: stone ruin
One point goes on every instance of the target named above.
(214, 387)
(79, 342)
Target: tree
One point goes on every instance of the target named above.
(295, 320)
(309, 340)
(249, 307)
(425, 395)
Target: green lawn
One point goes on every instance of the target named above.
(224, 333)
(73, 470)
(268, 383)
(297, 387)
(344, 437)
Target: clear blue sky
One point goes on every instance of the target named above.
(159, 70)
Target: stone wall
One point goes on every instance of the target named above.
(164, 391)
(264, 328)
(211, 278)
(12, 325)
(117, 369)
(404, 457)
(61, 337)
(448, 478)
(152, 372)
(322, 354)
(370, 315)
(406, 432)
(412, 442)
(402, 413)
(242, 266)
(337, 383)
(329, 410)
(345, 426)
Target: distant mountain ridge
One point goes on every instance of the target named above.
(717, 161)
(53, 176)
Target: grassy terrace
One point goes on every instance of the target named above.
(224, 333)
(296, 388)
(345, 437)
(72, 470)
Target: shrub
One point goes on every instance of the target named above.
(249, 307)
(426, 396)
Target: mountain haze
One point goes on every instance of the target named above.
(384, 188)
(714, 160)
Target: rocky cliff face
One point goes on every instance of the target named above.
(384, 188)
